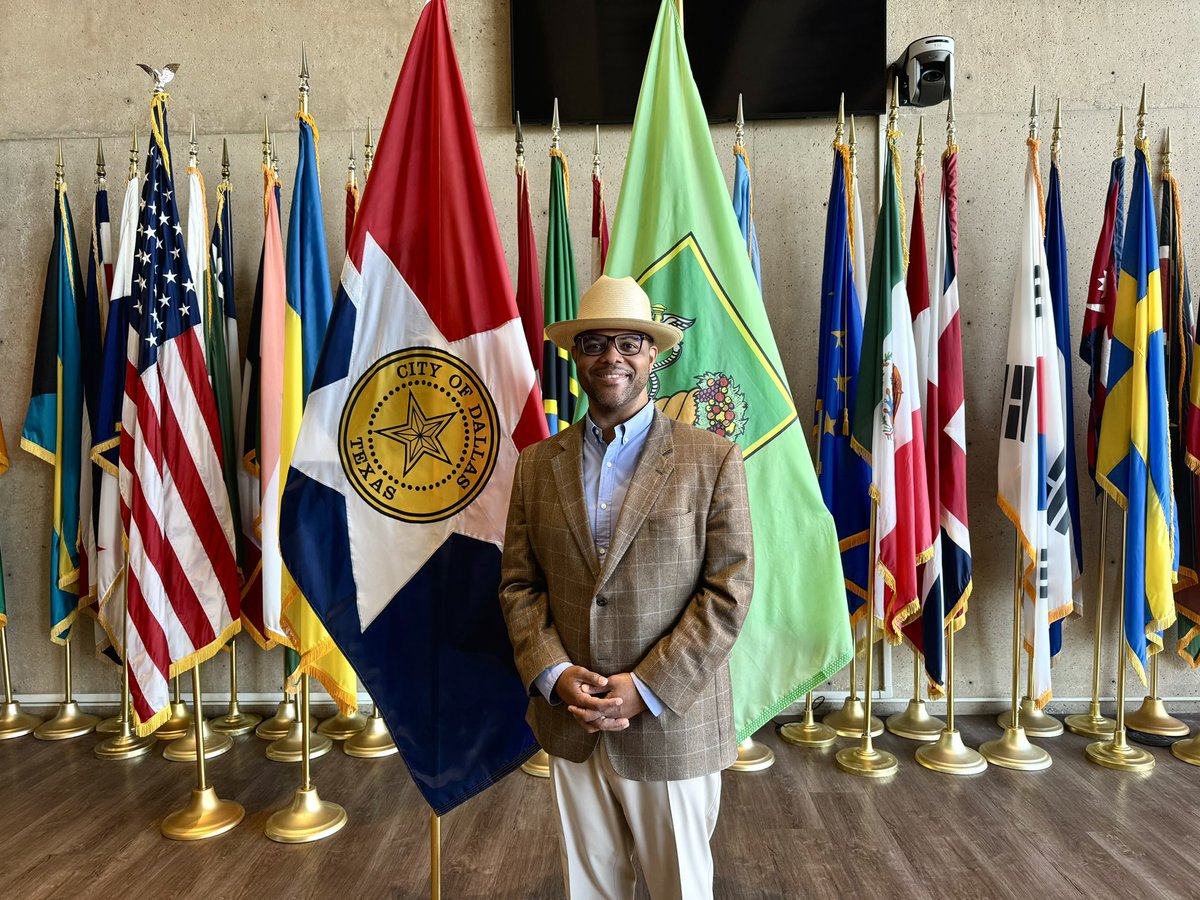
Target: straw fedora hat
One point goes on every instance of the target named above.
(614, 303)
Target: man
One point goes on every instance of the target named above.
(627, 574)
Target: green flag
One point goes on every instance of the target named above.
(676, 233)
(560, 390)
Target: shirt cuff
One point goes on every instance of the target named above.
(653, 705)
(548, 679)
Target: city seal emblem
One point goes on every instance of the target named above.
(418, 436)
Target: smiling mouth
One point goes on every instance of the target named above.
(612, 376)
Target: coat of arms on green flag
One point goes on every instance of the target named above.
(676, 233)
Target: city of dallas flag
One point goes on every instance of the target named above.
(394, 509)
(676, 233)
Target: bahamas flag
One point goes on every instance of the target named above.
(743, 208)
(53, 429)
(676, 233)
(844, 477)
(1133, 461)
(560, 391)
(306, 318)
(396, 502)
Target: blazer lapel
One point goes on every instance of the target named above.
(568, 478)
(651, 474)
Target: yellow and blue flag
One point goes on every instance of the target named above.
(1133, 461)
(743, 208)
(53, 430)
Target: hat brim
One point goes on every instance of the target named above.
(563, 334)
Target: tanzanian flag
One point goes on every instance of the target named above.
(53, 429)
(560, 390)
(1133, 458)
(676, 233)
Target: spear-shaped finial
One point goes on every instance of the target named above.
(920, 159)
(274, 158)
(1166, 153)
(58, 167)
(1120, 151)
(133, 155)
(519, 138)
(1033, 116)
(193, 146)
(303, 80)
(368, 152)
(950, 136)
(352, 167)
(894, 108)
(1056, 135)
(839, 130)
(266, 143)
(224, 159)
(555, 128)
(100, 163)
(739, 133)
(596, 154)
(1141, 119)
(853, 149)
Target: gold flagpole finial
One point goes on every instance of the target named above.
(266, 143)
(1141, 118)
(274, 158)
(519, 138)
(193, 147)
(303, 81)
(133, 155)
(1166, 153)
(1033, 116)
(100, 173)
(1120, 151)
(1056, 135)
(58, 167)
(853, 149)
(839, 130)
(555, 128)
(739, 133)
(596, 154)
(368, 152)
(224, 159)
(894, 107)
(950, 136)
(919, 167)
(352, 167)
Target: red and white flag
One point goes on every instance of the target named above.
(599, 216)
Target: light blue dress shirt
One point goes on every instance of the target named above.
(607, 470)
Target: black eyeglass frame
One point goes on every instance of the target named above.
(611, 340)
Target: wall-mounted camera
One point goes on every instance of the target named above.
(926, 71)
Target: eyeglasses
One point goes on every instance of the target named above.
(629, 344)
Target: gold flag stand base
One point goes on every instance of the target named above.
(808, 733)
(280, 724)
(235, 721)
(111, 725)
(867, 762)
(184, 749)
(15, 723)
(1116, 754)
(290, 748)
(753, 757)
(178, 725)
(915, 723)
(951, 756)
(1036, 722)
(1091, 724)
(126, 746)
(205, 816)
(1187, 751)
(1013, 751)
(373, 742)
(537, 765)
(848, 721)
(70, 722)
(1152, 718)
(309, 818)
(343, 726)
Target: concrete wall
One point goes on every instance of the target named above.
(68, 73)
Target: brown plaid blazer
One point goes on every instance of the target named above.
(667, 604)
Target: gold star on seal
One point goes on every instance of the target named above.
(419, 435)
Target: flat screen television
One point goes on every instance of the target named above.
(789, 58)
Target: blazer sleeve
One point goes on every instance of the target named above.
(523, 594)
(679, 667)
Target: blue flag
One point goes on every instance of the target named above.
(844, 476)
(743, 208)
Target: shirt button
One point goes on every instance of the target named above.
(610, 465)
(603, 550)
(604, 506)
(602, 601)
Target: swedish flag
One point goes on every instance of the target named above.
(1133, 458)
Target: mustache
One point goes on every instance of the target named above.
(620, 370)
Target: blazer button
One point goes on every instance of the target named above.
(602, 601)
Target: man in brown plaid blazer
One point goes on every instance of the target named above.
(627, 574)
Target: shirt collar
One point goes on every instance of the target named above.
(630, 428)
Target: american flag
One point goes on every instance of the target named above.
(183, 579)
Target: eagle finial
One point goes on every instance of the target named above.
(162, 77)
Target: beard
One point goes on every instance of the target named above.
(613, 396)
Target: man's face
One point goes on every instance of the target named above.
(614, 383)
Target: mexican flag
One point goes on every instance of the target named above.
(676, 233)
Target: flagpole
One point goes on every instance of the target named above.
(126, 744)
(435, 856)
(808, 733)
(1092, 724)
(206, 815)
(864, 759)
(180, 720)
(14, 722)
(1014, 751)
(70, 722)
(278, 726)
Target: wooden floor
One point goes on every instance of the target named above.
(73, 826)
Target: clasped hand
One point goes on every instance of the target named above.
(599, 703)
